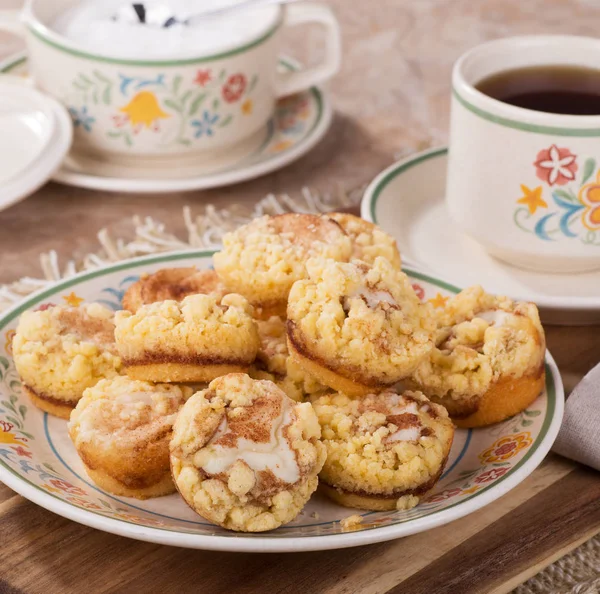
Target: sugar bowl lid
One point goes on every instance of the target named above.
(35, 135)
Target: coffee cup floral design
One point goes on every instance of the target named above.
(198, 105)
(170, 92)
(566, 205)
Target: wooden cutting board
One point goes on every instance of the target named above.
(491, 551)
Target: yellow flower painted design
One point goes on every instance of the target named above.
(73, 300)
(506, 447)
(9, 336)
(143, 109)
(247, 107)
(8, 437)
(282, 146)
(438, 301)
(589, 195)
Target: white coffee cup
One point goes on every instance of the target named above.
(525, 184)
(187, 109)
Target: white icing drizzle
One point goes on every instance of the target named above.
(407, 434)
(135, 398)
(373, 298)
(91, 420)
(404, 407)
(495, 316)
(275, 455)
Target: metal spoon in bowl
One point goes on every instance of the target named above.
(159, 16)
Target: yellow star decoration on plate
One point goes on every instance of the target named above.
(439, 300)
(532, 198)
(247, 107)
(72, 299)
(281, 146)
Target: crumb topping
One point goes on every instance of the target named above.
(481, 339)
(261, 260)
(368, 240)
(241, 448)
(220, 329)
(383, 443)
(61, 351)
(360, 319)
(172, 284)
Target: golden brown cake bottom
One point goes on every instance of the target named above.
(504, 399)
(174, 372)
(54, 406)
(376, 501)
(328, 377)
(109, 483)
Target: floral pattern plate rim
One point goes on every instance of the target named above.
(407, 200)
(38, 460)
(300, 122)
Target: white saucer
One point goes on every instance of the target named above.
(300, 122)
(36, 133)
(407, 200)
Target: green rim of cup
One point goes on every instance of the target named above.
(535, 128)
(181, 62)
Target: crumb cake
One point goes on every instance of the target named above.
(384, 451)
(61, 351)
(272, 353)
(194, 340)
(244, 455)
(121, 430)
(171, 284)
(488, 361)
(368, 240)
(357, 328)
(274, 363)
(262, 259)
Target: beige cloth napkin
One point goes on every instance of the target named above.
(579, 436)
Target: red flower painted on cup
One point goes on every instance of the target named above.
(556, 165)
(203, 77)
(67, 487)
(443, 495)
(234, 88)
(491, 475)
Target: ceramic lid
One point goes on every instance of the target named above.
(35, 134)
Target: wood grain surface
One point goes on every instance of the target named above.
(391, 98)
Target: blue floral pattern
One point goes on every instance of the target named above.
(82, 118)
(205, 125)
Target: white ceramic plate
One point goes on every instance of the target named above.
(38, 460)
(300, 122)
(407, 200)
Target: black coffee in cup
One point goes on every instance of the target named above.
(561, 89)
